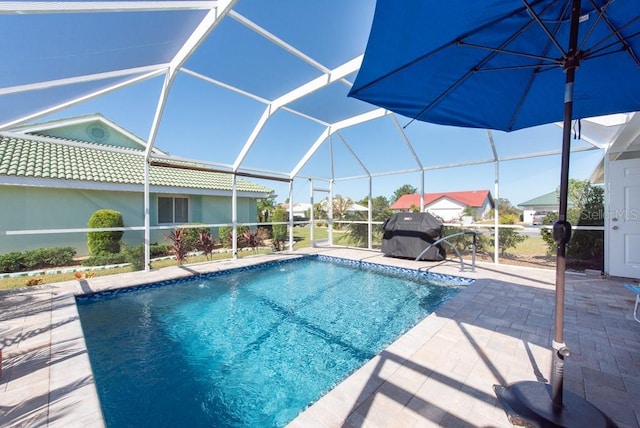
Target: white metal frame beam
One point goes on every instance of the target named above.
(49, 7)
(301, 91)
(81, 99)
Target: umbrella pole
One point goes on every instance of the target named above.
(529, 403)
(562, 228)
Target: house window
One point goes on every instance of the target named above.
(173, 209)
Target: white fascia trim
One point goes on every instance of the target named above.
(157, 68)
(79, 120)
(50, 183)
(28, 7)
(62, 142)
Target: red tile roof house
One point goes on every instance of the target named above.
(448, 205)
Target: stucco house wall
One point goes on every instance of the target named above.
(33, 208)
(55, 175)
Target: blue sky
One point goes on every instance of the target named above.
(207, 122)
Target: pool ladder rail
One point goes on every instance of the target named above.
(445, 240)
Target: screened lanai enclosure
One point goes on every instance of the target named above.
(185, 114)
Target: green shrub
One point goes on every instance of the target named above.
(134, 255)
(191, 236)
(464, 243)
(105, 259)
(508, 237)
(105, 242)
(39, 258)
(11, 262)
(224, 234)
(49, 257)
(279, 231)
(159, 250)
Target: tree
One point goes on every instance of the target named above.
(279, 231)
(265, 209)
(508, 237)
(340, 206)
(505, 207)
(380, 211)
(405, 189)
(586, 247)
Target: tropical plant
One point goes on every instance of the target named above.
(178, 248)
(205, 243)
(253, 238)
(107, 241)
(225, 234)
(191, 236)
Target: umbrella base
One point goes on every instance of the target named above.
(529, 404)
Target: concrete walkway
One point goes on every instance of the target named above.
(441, 373)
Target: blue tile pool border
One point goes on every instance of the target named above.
(415, 273)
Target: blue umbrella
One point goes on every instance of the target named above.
(507, 65)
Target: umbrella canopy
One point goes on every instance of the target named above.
(499, 64)
(507, 65)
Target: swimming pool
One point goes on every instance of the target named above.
(251, 346)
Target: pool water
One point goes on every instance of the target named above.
(247, 349)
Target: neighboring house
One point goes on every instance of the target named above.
(55, 175)
(303, 210)
(448, 206)
(541, 204)
(300, 210)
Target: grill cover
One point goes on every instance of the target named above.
(406, 235)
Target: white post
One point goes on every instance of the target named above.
(234, 217)
(370, 217)
(496, 220)
(312, 223)
(330, 212)
(291, 215)
(147, 220)
(422, 191)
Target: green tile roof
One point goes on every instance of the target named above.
(548, 199)
(38, 159)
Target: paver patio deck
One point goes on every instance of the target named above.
(441, 373)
